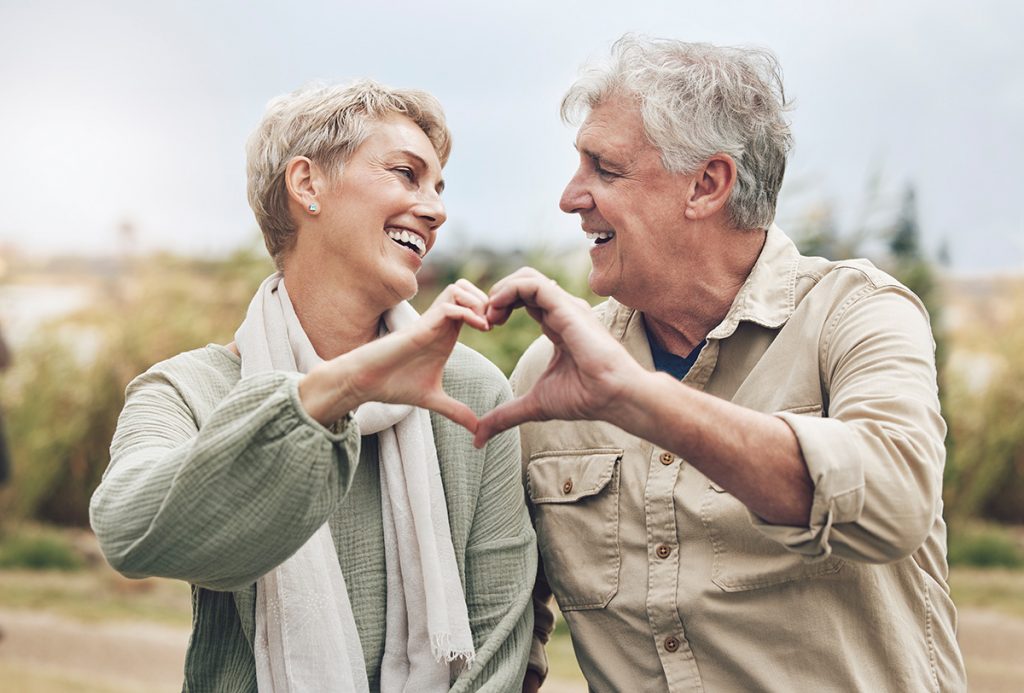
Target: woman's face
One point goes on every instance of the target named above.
(382, 211)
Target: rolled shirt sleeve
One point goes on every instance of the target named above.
(876, 454)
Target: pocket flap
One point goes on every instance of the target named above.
(569, 475)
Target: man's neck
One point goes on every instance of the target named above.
(698, 295)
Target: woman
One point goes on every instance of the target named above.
(321, 559)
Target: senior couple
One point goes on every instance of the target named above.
(733, 465)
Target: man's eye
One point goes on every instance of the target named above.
(601, 171)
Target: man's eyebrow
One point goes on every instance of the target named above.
(423, 164)
(603, 161)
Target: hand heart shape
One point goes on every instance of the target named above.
(584, 378)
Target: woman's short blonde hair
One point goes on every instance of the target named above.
(326, 124)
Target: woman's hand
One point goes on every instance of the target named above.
(403, 367)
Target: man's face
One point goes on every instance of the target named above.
(631, 208)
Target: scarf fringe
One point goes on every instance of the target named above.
(443, 651)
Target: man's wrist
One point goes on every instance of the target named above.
(629, 408)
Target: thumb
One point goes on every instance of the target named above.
(502, 418)
(452, 409)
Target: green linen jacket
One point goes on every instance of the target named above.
(215, 480)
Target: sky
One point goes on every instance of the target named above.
(115, 113)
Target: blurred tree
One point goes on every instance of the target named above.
(67, 388)
(987, 470)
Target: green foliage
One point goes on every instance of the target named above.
(992, 589)
(66, 389)
(986, 472)
(38, 550)
(984, 546)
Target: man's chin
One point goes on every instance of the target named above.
(598, 285)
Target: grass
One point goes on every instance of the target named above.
(93, 592)
(29, 679)
(996, 589)
(97, 594)
(984, 545)
(36, 548)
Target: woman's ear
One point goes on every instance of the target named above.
(302, 179)
(712, 186)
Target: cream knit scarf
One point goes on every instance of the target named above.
(306, 638)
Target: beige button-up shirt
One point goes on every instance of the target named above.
(669, 583)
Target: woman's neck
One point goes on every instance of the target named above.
(336, 321)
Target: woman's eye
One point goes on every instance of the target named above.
(406, 173)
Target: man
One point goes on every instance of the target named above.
(737, 482)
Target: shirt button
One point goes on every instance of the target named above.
(663, 551)
(567, 486)
(671, 644)
(667, 458)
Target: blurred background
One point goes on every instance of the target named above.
(125, 238)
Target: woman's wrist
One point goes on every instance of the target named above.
(327, 392)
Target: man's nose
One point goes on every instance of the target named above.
(575, 197)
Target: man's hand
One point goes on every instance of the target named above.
(589, 368)
(404, 367)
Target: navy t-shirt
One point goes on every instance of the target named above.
(673, 364)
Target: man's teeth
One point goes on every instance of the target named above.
(410, 239)
(601, 236)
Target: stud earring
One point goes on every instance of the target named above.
(314, 207)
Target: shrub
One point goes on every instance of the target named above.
(984, 546)
(35, 550)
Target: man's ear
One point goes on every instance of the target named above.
(712, 184)
(302, 178)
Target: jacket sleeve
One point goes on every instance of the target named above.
(501, 562)
(525, 374)
(219, 506)
(876, 454)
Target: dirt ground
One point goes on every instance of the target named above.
(47, 653)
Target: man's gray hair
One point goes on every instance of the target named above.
(326, 124)
(697, 100)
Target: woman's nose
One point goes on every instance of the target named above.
(431, 209)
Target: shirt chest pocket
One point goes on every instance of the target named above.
(745, 559)
(575, 496)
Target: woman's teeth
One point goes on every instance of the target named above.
(411, 240)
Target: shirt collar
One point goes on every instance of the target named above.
(767, 298)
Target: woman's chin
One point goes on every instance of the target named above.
(404, 290)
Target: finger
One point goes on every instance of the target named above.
(465, 315)
(452, 409)
(499, 315)
(472, 288)
(519, 274)
(472, 300)
(513, 294)
(504, 417)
